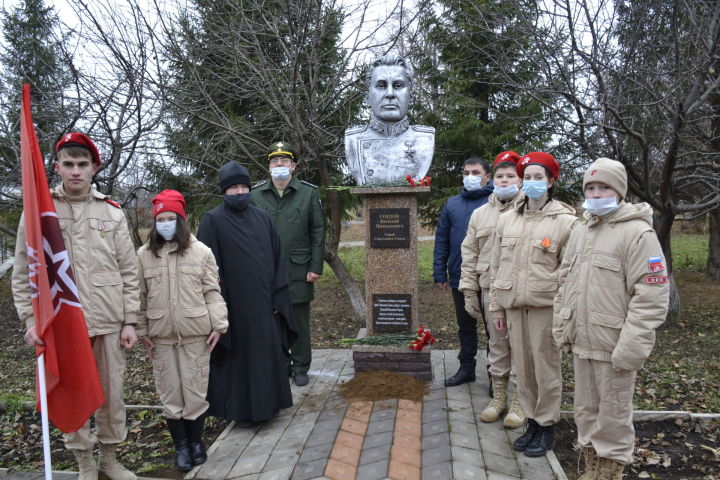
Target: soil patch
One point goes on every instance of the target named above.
(383, 385)
(663, 450)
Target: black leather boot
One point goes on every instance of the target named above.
(195, 430)
(463, 375)
(544, 440)
(531, 429)
(183, 461)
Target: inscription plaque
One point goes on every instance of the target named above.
(391, 312)
(390, 228)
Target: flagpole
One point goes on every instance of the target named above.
(44, 416)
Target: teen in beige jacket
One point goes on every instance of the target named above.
(182, 318)
(613, 295)
(475, 277)
(104, 265)
(526, 254)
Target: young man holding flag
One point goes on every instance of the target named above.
(99, 254)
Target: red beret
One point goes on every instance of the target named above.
(508, 156)
(169, 201)
(539, 158)
(79, 140)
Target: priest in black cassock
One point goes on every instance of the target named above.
(248, 372)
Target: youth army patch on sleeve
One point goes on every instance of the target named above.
(655, 264)
(656, 280)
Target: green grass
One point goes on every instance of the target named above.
(690, 251)
(354, 260)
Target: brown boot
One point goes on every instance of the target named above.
(609, 469)
(515, 417)
(591, 463)
(87, 468)
(498, 404)
(110, 466)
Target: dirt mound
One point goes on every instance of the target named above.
(383, 385)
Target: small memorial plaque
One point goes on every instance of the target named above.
(390, 227)
(391, 313)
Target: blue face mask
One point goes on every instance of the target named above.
(506, 193)
(280, 173)
(535, 188)
(166, 229)
(471, 183)
(600, 206)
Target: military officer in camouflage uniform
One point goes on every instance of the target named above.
(295, 208)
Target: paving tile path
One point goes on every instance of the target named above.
(324, 437)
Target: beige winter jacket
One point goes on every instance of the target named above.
(180, 297)
(526, 255)
(614, 291)
(102, 257)
(476, 248)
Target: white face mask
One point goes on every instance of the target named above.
(506, 193)
(600, 206)
(471, 182)
(166, 229)
(280, 173)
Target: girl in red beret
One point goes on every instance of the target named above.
(181, 319)
(525, 257)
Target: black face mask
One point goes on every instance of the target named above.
(237, 202)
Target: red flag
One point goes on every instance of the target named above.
(73, 385)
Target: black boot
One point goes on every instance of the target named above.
(463, 375)
(531, 429)
(543, 441)
(183, 461)
(195, 434)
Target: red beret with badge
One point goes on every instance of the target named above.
(509, 156)
(75, 139)
(539, 158)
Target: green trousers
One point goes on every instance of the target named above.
(300, 352)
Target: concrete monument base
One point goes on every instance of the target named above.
(397, 359)
(391, 284)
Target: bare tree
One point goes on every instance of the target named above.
(632, 81)
(245, 74)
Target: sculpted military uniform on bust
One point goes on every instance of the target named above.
(389, 148)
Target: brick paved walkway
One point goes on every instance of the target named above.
(322, 436)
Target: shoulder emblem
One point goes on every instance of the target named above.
(423, 128)
(354, 130)
(260, 184)
(112, 202)
(308, 184)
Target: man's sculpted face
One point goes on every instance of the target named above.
(389, 93)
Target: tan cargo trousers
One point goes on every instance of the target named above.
(499, 343)
(604, 409)
(537, 363)
(181, 378)
(110, 417)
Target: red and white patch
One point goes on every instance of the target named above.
(654, 280)
(592, 174)
(656, 267)
(525, 160)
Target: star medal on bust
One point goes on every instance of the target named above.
(102, 229)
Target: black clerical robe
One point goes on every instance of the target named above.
(248, 369)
